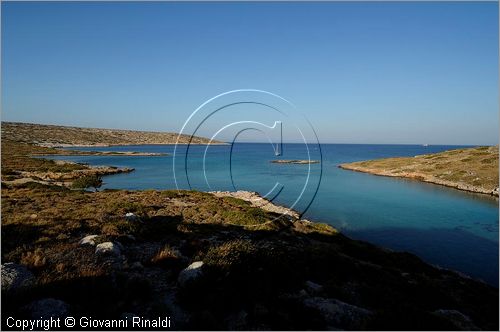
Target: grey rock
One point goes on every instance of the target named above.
(458, 319)
(88, 240)
(47, 308)
(190, 273)
(313, 288)
(132, 217)
(15, 276)
(338, 314)
(107, 249)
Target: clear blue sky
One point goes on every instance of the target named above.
(361, 72)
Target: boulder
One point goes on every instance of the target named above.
(190, 273)
(338, 314)
(107, 249)
(47, 308)
(129, 216)
(88, 240)
(15, 276)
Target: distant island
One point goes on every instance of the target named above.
(471, 169)
(63, 136)
(295, 161)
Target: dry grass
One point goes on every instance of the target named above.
(165, 255)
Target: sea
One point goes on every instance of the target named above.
(445, 227)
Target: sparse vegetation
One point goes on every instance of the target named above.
(49, 135)
(473, 169)
(88, 181)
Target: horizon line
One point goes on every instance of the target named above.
(250, 142)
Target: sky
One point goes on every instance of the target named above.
(388, 72)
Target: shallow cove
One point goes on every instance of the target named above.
(444, 226)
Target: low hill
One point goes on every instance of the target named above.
(53, 136)
(472, 169)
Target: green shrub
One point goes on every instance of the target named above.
(88, 181)
(250, 216)
(236, 201)
(170, 193)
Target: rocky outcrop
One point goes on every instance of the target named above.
(68, 176)
(15, 276)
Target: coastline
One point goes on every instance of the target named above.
(468, 169)
(258, 201)
(60, 145)
(422, 178)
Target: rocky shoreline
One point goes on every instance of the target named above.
(424, 178)
(65, 178)
(109, 153)
(258, 201)
(472, 169)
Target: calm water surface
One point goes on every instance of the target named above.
(444, 226)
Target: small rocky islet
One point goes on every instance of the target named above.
(295, 161)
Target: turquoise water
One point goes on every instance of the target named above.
(446, 227)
